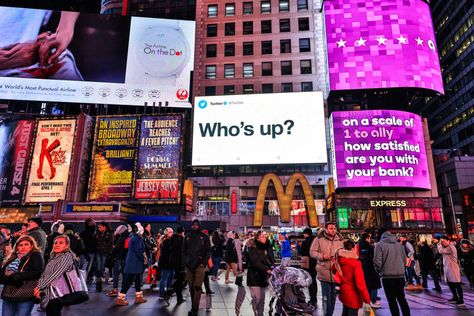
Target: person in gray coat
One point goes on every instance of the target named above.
(452, 271)
(389, 262)
(35, 231)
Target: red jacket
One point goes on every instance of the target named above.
(353, 290)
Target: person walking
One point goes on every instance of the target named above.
(119, 254)
(165, 264)
(24, 265)
(452, 270)
(105, 243)
(177, 263)
(410, 273)
(353, 290)
(323, 249)
(62, 259)
(466, 256)
(231, 257)
(34, 230)
(285, 251)
(372, 279)
(308, 263)
(217, 252)
(88, 236)
(427, 266)
(260, 262)
(389, 261)
(196, 253)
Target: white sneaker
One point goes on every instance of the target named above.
(375, 305)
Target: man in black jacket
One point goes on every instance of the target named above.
(309, 265)
(176, 262)
(196, 253)
(90, 245)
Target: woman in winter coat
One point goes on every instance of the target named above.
(134, 267)
(452, 270)
(231, 257)
(372, 279)
(260, 261)
(353, 290)
(62, 260)
(24, 264)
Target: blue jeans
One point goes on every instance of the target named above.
(17, 309)
(373, 295)
(216, 262)
(412, 274)
(166, 280)
(329, 297)
(100, 260)
(119, 264)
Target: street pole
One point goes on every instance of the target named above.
(452, 209)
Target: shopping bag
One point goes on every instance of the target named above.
(367, 310)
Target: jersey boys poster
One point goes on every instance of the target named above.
(51, 160)
(158, 169)
(113, 158)
(16, 138)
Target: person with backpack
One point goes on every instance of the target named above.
(231, 257)
(410, 273)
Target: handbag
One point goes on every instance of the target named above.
(22, 292)
(305, 262)
(70, 288)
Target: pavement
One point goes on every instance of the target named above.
(426, 303)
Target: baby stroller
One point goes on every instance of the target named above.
(286, 287)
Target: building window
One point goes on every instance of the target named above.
(210, 91)
(267, 69)
(229, 9)
(212, 10)
(229, 71)
(211, 30)
(285, 25)
(266, 47)
(229, 49)
(265, 7)
(247, 48)
(302, 4)
(305, 66)
(266, 26)
(307, 86)
(211, 50)
(248, 88)
(247, 8)
(286, 68)
(267, 88)
(305, 45)
(303, 24)
(285, 46)
(247, 27)
(287, 87)
(229, 89)
(284, 5)
(229, 29)
(211, 72)
(248, 70)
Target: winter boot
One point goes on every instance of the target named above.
(139, 298)
(112, 293)
(120, 300)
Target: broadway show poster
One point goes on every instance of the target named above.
(16, 138)
(113, 159)
(158, 170)
(52, 153)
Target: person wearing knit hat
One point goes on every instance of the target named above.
(57, 228)
(35, 231)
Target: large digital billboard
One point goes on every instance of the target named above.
(159, 159)
(381, 44)
(51, 160)
(378, 148)
(16, 137)
(277, 128)
(114, 155)
(61, 56)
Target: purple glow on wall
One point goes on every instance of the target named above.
(379, 148)
(381, 44)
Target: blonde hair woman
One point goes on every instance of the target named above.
(21, 269)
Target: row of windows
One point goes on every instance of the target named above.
(462, 117)
(265, 27)
(265, 88)
(286, 68)
(248, 48)
(247, 7)
(463, 29)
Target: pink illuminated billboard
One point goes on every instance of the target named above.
(378, 148)
(381, 44)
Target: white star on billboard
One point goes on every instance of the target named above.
(419, 41)
(341, 43)
(402, 40)
(361, 42)
(382, 40)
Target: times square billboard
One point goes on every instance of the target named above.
(59, 56)
(381, 44)
(378, 148)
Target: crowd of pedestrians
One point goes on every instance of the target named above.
(349, 271)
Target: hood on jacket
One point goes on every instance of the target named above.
(388, 237)
(343, 253)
